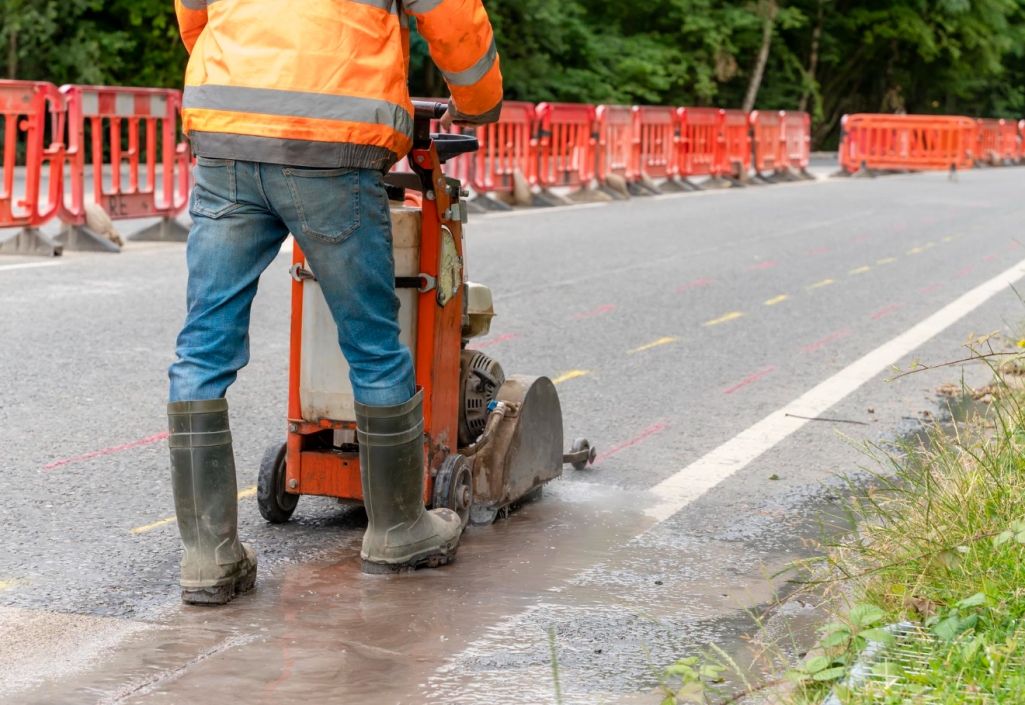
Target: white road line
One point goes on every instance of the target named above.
(676, 492)
(29, 265)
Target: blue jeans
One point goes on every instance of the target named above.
(242, 212)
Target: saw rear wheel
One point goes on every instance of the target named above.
(276, 505)
(582, 444)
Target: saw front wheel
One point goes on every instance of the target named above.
(452, 486)
(275, 504)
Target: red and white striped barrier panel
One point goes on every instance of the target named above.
(32, 115)
(129, 128)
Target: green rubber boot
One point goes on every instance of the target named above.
(215, 565)
(401, 535)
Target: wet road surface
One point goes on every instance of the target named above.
(673, 326)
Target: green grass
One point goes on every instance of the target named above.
(939, 541)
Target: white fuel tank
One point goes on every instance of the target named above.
(324, 388)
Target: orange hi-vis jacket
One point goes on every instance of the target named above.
(323, 83)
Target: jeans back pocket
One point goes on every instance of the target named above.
(326, 201)
(215, 193)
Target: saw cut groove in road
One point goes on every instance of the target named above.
(600, 311)
(570, 375)
(775, 300)
(248, 492)
(819, 285)
(107, 451)
(493, 341)
(651, 431)
(28, 265)
(694, 285)
(722, 319)
(748, 380)
(682, 488)
(649, 346)
(826, 341)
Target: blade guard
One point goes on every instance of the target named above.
(526, 451)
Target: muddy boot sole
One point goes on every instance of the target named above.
(221, 594)
(435, 560)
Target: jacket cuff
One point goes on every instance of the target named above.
(483, 119)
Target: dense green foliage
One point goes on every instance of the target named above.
(957, 56)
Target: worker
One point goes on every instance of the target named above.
(295, 111)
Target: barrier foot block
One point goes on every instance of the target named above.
(761, 178)
(490, 204)
(474, 208)
(590, 195)
(547, 198)
(78, 238)
(31, 241)
(717, 182)
(167, 230)
(614, 194)
(863, 173)
(635, 188)
(672, 186)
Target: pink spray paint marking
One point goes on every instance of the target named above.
(826, 341)
(769, 264)
(967, 270)
(601, 310)
(818, 251)
(931, 288)
(989, 258)
(1013, 246)
(107, 451)
(748, 380)
(860, 240)
(493, 341)
(694, 285)
(633, 441)
(889, 309)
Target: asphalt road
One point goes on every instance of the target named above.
(672, 324)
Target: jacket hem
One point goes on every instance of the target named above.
(291, 152)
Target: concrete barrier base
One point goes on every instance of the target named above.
(31, 241)
(167, 230)
(79, 238)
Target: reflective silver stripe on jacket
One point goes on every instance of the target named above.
(420, 7)
(476, 72)
(323, 106)
(390, 6)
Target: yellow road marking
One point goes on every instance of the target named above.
(573, 374)
(860, 270)
(723, 319)
(248, 492)
(4, 584)
(660, 341)
(927, 245)
(948, 238)
(888, 260)
(824, 282)
(916, 250)
(776, 300)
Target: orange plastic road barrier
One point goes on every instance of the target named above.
(701, 144)
(616, 142)
(26, 109)
(998, 141)
(566, 140)
(767, 141)
(506, 147)
(736, 152)
(912, 142)
(129, 125)
(796, 137)
(656, 130)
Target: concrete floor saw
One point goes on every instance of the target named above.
(490, 440)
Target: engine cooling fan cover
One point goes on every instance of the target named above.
(480, 378)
